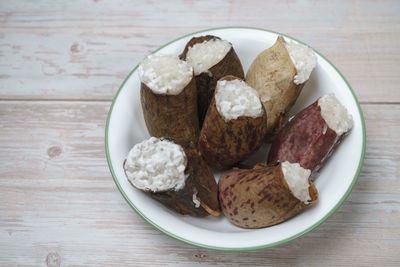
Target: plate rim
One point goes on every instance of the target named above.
(238, 249)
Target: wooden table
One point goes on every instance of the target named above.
(60, 66)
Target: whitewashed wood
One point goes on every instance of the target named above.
(84, 49)
(59, 203)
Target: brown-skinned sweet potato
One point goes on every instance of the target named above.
(200, 182)
(223, 143)
(272, 75)
(206, 81)
(259, 197)
(173, 116)
(306, 139)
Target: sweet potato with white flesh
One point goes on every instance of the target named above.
(265, 195)
(278, 74)
(175, 176)
(235, 124)
(310, 136)
(169, 98)
(212, 59)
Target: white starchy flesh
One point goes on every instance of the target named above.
(297, 179)
(303, 59)
(236, 98)
(203, 56)
(156, 165)
(165, 74)
(195, 200)
(335, 114)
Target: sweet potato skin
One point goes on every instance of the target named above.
(305, 139)
(173, 116)
(223, 143)
(259, 197)
(206, 81)
(271, 74)
(201, 180)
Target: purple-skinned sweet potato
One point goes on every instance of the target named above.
(311, 136)
(265, 195)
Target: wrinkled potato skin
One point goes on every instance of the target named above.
(259, 197)
(206, 82)
(173, 116)
(201, 179)
(306, 139)
(180, 201)
(271, 74)
(223, 143)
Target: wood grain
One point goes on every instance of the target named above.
(82, 50)
(61, 63)
(58, 201)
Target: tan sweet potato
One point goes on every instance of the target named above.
(200, 182)
(173, 116)
(259, 197)
(272, 74)
(223, 143)
(206, 81)
(306, 139)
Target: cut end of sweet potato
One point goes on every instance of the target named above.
(156, 169)
(235, 98)
(303, 58)
(156, 165)
(202, 56)
(297, 178)
(165, 74)
(207, 79)
(335, 114)
(307, 138)
(272, 74)
(223, 143)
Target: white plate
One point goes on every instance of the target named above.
(125, 127)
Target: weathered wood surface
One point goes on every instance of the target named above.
(57, 196)
(84, 49)
(60, 66)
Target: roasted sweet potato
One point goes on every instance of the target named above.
(279, 81)
(196, 194)
(261, 197)
(310, 136)
(211, 71)
(169, 110)
(229, 135)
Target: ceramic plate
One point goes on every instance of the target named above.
(125, 127)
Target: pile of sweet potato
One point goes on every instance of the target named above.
(252, 197)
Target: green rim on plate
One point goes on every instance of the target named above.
(244, 248)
